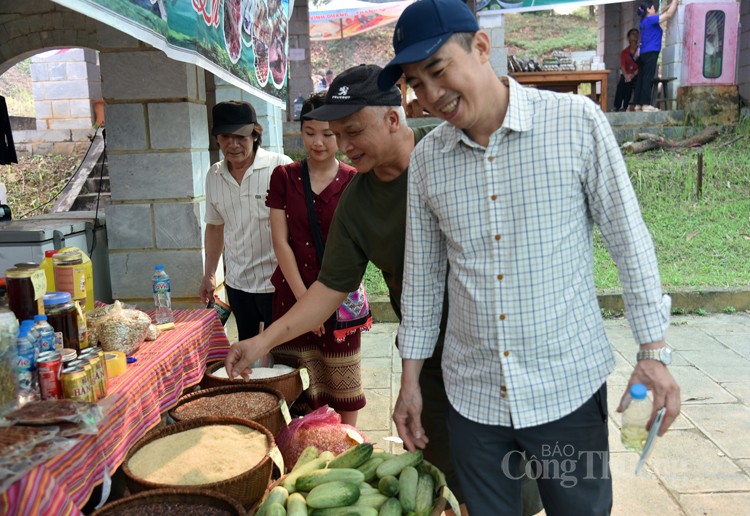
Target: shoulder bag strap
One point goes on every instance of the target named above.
(314, 227)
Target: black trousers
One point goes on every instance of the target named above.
(624, 92)
(569, 458)
(643, 81)
(249, 311)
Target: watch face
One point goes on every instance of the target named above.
(665, 355)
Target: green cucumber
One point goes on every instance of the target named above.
(374, 500)
(332, 494)
(275, 509)
(369, 467)
(425, 493)
(307, 467)
(296, 505)
(395, 465)
(346, 511)
(407, 485)
(308, 454)
(391, 507)
(353, 457)
(388, 485)
(365, 488)
(308, 481)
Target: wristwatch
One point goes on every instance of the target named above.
(663, 355)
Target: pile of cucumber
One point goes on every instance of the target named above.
(361, 481)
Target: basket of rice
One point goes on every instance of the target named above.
(185, 502)
(285, 376)
(231, 456)
(258, 403)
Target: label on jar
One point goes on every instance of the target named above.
(39, 281)
(71, 278)
(83, 330)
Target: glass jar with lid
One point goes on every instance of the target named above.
(63, 316)
(70, 274)
(25, 288)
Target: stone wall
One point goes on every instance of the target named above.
(494, 25)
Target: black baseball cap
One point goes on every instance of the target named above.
(234, 117)
(353, 89)
(421, 30)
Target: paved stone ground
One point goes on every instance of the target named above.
(700, 467)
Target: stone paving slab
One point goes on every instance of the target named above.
(728, 426)
(715, 504)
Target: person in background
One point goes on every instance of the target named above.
(628, 71)
(334, 367)
(237, 220)
(501, 204)
(651, 35)
(325, 82)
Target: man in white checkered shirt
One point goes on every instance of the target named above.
(507, 192)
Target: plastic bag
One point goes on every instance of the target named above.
(321, 428)
(121, 329)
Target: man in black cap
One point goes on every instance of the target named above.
(237, 219)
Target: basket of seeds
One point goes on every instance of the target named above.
(259, 403)
(184, 502)
(285, 376)
(231, 456)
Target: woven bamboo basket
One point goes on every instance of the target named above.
(272, 419)
(290, 384)
(149, 502)
(247, 488)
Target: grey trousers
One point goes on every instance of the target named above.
(568, 458)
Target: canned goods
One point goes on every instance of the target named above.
(75, 384)
(90, 378)
(49, 365)
(100, 372)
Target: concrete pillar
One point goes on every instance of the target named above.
(157, 145)
(494, 25)
(743, 61)
(300, 71)
(610, 43)
(671, 52)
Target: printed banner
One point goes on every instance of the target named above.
(244, 42)
(345, 18)
(490, 7)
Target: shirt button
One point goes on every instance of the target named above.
(502, 316)
(500, 277)
(503, 388)
(503, 395)
(506, 353)
(498, 237)
(491, 159)
(494, 197)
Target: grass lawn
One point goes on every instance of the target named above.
(701, 243)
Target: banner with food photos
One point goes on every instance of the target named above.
(244, 42)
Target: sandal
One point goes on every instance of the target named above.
(651, 108)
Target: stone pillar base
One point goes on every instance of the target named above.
(710, 105)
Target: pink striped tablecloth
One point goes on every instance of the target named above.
(149, 387)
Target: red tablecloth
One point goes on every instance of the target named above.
(149, 387)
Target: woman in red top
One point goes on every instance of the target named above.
(334, 367)
(629, 69)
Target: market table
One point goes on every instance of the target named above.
(149, 387)
(567, 81)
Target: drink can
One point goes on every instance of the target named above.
(49, 365)
(75, 383)
(100, 372)
(89, 370)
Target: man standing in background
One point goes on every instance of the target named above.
(237, 219)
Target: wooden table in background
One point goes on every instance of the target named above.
(567, 81)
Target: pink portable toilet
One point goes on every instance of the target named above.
(710, 44)
(709, 89)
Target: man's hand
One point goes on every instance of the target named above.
(408, 411)
(657, 378)
(207, 288)
(242, 354)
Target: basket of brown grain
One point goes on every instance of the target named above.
(286, 376)
(258, 403)
(231, 456)
(185, 502)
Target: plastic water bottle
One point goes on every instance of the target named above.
(33, 335)
(162, 296)
(28, 380)
(45, 332)
(635, 417)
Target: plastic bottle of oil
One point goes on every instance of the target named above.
(635, 417)
(48, 269)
